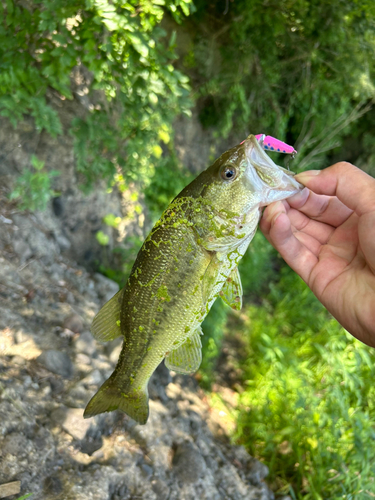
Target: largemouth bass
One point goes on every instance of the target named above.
(189, 259)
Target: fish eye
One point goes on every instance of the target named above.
(228, 172)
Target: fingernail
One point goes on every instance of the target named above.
(305, 176)
(300, 197)
(273, 209)
(275, 218)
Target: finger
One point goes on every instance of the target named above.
(318, 230)
(270, 212)
(277, 228)
(353, 187)
(311, 243)
(310, 233)
(327, 209)
(300, 222)
(366, 233)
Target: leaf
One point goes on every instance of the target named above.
(102, 238)
(111, 220)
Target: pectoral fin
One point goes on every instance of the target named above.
(231, 292)
(188, 357)
(210, 278)
(106, 324)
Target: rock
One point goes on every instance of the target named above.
(115, 354)
(22, 249)
(63, 242)
(106, 287)
(52, 485)
(67, 334)
(74, 323)
(94, 378)
(258, 471)
(57, 386)
(100, 363)
(56, 362)
(39, 242)
(58, 206)
(83, 359)
(188, 463)
(91, 445)
(160, 488)
(86, 344)
(72, 421)
(14, 444)
(147, 471)
(19, 360)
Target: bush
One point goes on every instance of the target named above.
(299, 70)
(32, 188)
(309, 401)
(114, 57)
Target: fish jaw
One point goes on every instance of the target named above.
(272, 182)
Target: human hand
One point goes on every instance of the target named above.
(326, 233)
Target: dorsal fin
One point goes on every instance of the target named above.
(106, 325)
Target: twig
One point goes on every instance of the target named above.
(325, 137)
(8, 489)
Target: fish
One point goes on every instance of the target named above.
(189, 259)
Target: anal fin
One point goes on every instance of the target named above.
(188, 357)
(106, 325)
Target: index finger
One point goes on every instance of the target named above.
(352, 186)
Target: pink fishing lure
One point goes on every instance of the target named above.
(271, 144)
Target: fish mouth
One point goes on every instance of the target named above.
(275, 182)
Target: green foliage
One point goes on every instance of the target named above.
(167, 181)
(24, 496)
(309, 404)
(102, 238)
(213, 329)
(111, 220)
(32, 188)
(114, 57)
(291, 69)
(259, 267)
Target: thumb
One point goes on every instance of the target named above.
(352, 186)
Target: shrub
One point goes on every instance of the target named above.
(309, 401)
(114, 57)
(32, 189)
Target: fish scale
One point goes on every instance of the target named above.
(189, 258)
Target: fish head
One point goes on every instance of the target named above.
(245, 178)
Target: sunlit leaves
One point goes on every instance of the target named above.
(114, 58)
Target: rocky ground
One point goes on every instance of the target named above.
(50, 366)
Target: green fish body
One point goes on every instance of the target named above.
(187, 261)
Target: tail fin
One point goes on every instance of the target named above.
(111, 397)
